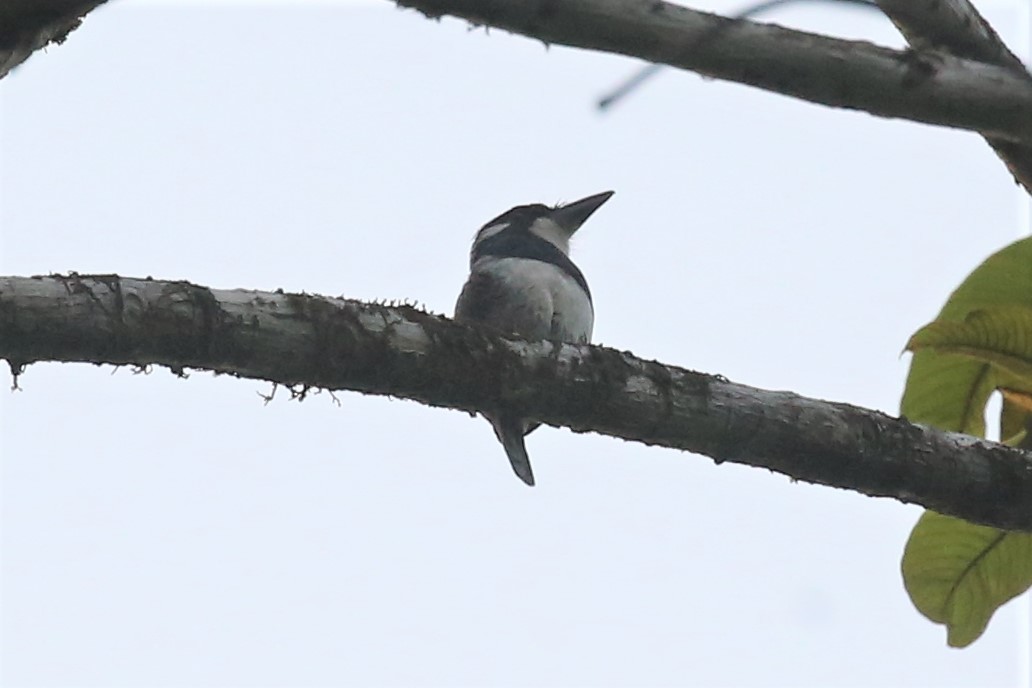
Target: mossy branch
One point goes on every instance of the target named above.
(308, 341)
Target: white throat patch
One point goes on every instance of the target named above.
(552, 233)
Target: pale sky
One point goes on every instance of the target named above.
(167, 532)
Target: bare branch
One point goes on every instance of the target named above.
(924, 87)
(956, 27)
(307, 341)
(756, 9)
(28, 25)
(953, 26)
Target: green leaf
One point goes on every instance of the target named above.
(1001, 336)
(959, 574)
(950, 390)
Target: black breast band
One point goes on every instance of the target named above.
(515, 242)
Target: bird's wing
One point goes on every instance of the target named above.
(488, 300)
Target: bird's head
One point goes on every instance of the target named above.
(555, 225)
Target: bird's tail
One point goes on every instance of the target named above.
(510, 433)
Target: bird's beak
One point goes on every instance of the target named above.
(572, 215)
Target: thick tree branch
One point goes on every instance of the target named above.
(304, 340)
(953, 26)
(931, 88)
(928, 87)
(956, 27)
(28, 25)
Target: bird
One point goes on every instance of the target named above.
(522, 282)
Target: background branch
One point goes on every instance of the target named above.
(931, 88)
(956, 27)
(314, 341)
(28, 25)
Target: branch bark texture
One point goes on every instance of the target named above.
(338, 344)
(932, 87)
(28, 25)
(956, 27)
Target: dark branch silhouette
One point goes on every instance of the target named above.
(648, 71)
(308, 342)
